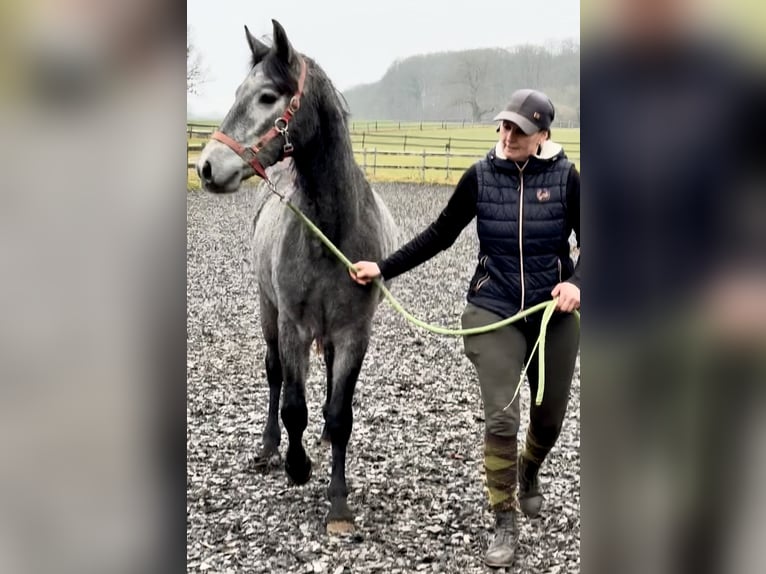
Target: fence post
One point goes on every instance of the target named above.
(421, 125)
(364, 160)
(423, 169)
(374, 160)
(363, 134)
(404, 147)
(447, 164)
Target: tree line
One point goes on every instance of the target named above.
(472, 84)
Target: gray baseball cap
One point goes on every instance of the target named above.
(529, 109)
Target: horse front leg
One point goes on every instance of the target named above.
(268, 455)
(349, 355)
(294, 357)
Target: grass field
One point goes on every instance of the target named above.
(407, 153)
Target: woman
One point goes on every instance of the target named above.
(525, 195)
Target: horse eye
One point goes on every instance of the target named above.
(267, 98)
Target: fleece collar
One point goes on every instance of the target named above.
(549, 150)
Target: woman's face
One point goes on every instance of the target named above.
(517, 145)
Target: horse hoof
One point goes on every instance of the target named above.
(340, 526)
(299, 474)
(266, 460)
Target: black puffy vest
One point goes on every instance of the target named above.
(523, 246)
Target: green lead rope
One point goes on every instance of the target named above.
(548, 306)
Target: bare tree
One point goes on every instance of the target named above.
(532, 61)
(414, 87)
(471, 84)
(194, 74)
(472, 75)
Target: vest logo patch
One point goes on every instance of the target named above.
(543, 195)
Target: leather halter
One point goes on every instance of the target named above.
(249, 154)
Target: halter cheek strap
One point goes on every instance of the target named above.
(280, 127)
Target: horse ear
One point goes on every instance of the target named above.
(281, 46)
(258, 48)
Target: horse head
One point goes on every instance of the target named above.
(263, 125)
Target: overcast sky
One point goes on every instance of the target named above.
(356, 41)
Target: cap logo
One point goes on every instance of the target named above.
(543, 195)
(536, 115)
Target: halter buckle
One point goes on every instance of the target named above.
(280, 124)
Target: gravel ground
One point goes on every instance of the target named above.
(414, 464)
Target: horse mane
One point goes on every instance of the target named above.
(281, 74)
(335, 101)
(342, 104)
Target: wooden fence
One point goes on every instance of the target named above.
(371, 166)
(448, 143)
(376, 151)
(383, 125)
(373, 161)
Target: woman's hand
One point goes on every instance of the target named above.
(569, 297)
(366, 271)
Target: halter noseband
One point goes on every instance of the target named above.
(249, 154)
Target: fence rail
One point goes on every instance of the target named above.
(383, 125)
(424, 161)
(199, 133)
(363, 139)
(373, 154)
(371, 167)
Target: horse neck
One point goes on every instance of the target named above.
(327, 178)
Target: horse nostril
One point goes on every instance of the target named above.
(206, 172)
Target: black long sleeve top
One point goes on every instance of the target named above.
(460, 210)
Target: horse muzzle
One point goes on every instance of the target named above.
(220, 170)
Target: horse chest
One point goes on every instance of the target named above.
(318, 294)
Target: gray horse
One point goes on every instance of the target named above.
(305, 293)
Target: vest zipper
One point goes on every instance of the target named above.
(521, 231)
(558, 264)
